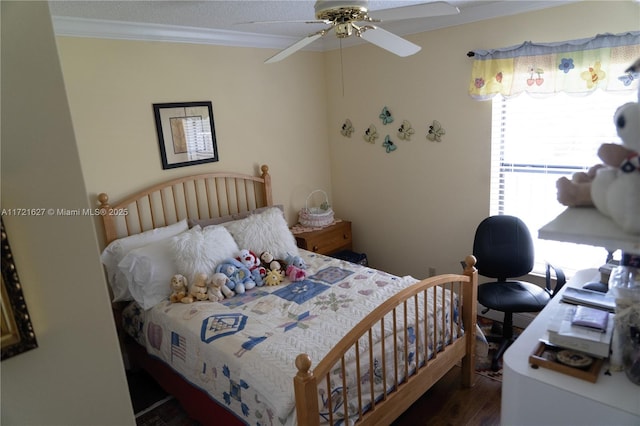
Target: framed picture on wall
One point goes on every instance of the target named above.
(186, 133)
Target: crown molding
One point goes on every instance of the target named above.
(120, 30)
(123, 30)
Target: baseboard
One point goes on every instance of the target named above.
(520, 319)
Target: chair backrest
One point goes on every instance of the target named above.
(503, 247)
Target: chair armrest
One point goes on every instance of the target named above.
(560, 279)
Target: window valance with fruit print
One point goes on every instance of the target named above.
(576, 67)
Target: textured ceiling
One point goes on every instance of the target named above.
(234, 15)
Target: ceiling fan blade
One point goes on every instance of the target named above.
(424, 10)
(302, 21)
(389, 41)
(298, 45)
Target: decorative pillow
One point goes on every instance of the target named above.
(266, 231)
(148, 271)
(224, 219)
(201, 250)
(118, 249)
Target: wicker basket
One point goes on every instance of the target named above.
(316, 217)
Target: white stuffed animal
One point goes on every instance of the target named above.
(217, 288)
(615, 191)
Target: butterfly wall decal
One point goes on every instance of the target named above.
(626, 79)
(389, 145)
(435, 132)
(405, 131)
(371, 134)
(386, 116)
(631, 73)
(347, 128)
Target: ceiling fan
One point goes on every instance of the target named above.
(352, 17)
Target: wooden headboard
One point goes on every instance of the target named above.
(196, 197)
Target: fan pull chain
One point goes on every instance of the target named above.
(341, 69)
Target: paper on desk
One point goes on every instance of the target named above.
(561, 324)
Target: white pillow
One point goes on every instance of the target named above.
(201, 250)
(118, 249)
(266, 231)
(148, 271)
(228, 218)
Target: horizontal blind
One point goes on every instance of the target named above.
(198, 139)
(535, 141)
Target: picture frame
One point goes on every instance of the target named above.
(18, 335)
(186, 133)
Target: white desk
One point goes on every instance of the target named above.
(546, 397)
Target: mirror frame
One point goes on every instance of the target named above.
(17, 331)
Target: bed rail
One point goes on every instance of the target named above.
(200, 196)
(361, 405)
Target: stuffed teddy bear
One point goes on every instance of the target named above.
(178, 288)
(273, 277)
(217, 288)
(198, 289)
(616, 190)
(239, 276)
(252, 263)
(576, 192)
(270, 263)
(613, 188)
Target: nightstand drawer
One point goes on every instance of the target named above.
(327, 240)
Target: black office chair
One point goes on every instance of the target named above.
(504, 249)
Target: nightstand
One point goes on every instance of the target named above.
(327, 240)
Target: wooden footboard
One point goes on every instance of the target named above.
(362, 404)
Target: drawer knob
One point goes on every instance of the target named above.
(345, 236)
(315, 248)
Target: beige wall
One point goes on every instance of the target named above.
(418, 207)
(287, 115)
(76, 375)
(264, 114)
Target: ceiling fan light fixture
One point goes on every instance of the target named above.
(351, 17)
(344, 30)
(341, 11)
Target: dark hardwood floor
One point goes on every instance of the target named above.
(448, 403)
(144, 391)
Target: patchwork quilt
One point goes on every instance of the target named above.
(242, 350)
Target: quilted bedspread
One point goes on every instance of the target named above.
(242, 350)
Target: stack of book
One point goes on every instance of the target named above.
(584, 322)
(594, 299)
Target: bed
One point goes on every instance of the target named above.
(343, 344)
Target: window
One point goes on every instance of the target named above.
(535, 141)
